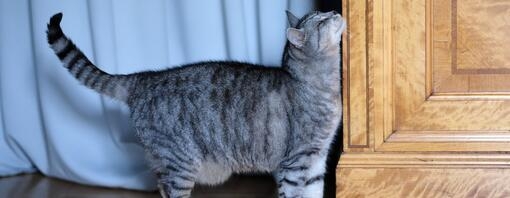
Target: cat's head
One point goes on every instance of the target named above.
(315, 33)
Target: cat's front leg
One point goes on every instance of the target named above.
(301, 176)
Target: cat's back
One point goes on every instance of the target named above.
(191, 79)
(206, 87)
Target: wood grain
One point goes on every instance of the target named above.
(416, 183)
(355, 70)
(414, 112)
(481, 30)
(469, 40)
(432, 76)
(425, 160)
(394, 75)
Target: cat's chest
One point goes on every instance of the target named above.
(322, 100)
(323, 107)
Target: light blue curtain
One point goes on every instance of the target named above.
(50, 123)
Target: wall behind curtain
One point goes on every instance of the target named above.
(50, 123)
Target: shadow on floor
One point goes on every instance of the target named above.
(38, 186)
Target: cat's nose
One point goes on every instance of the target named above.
(334, 14)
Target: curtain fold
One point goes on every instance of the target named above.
(52, 124)
(19, 95)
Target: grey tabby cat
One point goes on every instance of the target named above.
(199, 123)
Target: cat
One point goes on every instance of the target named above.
(199, 123)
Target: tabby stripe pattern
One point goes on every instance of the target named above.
(202, 122)
(115, 86)
(314, 180)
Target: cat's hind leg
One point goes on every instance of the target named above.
(176, 171)
(176, 179)
(172, 186)
(301, 175)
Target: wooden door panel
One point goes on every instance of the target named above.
(429, 75)
(356, 92)
(480, 32)
(439, 37)
(426, 87)
(469, 40)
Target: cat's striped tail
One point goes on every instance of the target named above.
(115, 86)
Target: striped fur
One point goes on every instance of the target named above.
(201, 122)
(115, 86)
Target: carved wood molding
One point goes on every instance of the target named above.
(355, 91)
(417, 160)
(422, 182)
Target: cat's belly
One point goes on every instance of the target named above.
(212, 173)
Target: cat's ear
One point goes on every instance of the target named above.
(293, 20)
(296, 37)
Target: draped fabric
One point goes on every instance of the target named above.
(52, 124)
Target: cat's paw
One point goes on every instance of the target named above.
(162, 191)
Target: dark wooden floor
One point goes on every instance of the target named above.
(38, 186)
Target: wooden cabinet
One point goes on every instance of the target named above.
(427, 85)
